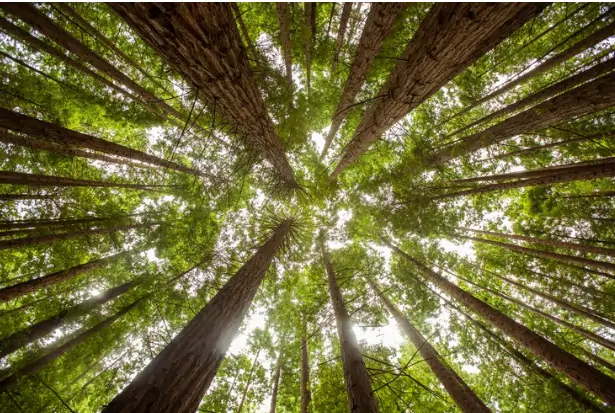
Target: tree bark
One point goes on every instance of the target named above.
(577, 370)
(176, 380)
(331, 14)
(306, 394)
(358, 386)
(42, 223)
(589, 98)
(244, 395)
(449, 39)
(341, 33)
(523, 152)
(202, 43)
(19, 178)
(276, 383)
(283, 11)
(378, 25)
(18, 197)
(456, 387)
(244, 31)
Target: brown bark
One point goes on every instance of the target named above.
(276, 383)
(176, 380)
(306, 394)
(341, 33)
(42, 223)
(201, 42)
(283, 10)
(588, 98)
(17, 197)
(577, 370)
(358, 386)
(308, 41)
(456, 387)
(244, 395)
(449, 39)
(36, 365)
(30, 286)
(70, 138)
(331, 14)
(379, 22)
(19, 178)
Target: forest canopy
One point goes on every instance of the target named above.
(307, 207)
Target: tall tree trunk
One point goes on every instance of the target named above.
(284, 20)
(588, 98)
(276, 382)
(57, 134)
(331, 14)
(577, 370)
(589, 41)
(456, 387)
(17, 197)
(524, 152)
(306, 394)
(20, 178)
(185, 33)
(244, 395)
(457, 35)
(595, 194)
(358, 386)
(43, 223)
(176, 380)
(378, 25)
(309, 37)
(244, 31)
(341, 33)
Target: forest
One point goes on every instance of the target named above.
(307, 207)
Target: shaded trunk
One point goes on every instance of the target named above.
(20, 178)
(457, 35)
(331, 14)
(276, 383)
(577, 370)
(17, 197)
(244, 31)
(201, 42)
(598, 360)
(456, 387)
(306, 394)
(341, 33)
(42, 223)
(178, 377)
(70, 138)
(283, 11)
(588, 98)
(523, 152)
(378, 25)
(596, 194)
(308, 41)
(244, 395)
(358, 386)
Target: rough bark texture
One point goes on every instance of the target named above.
(276, 383)
(379, 22)
(306, 394)
(577, 370)
(341, 33)
(358, 386)
(451, 37)
(591, 97)
(70, 138)
(201, 42)
(30, 286)
(176, 380)
(283, 10)
(459, 391)
(19, 178)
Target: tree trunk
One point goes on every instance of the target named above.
(341, 33)
(456, 387)
(598, 360)
(283, 10)
(331, 14)
(589, 98)
(306, 394)
(276, 383)
(358, 386)
(523, 152)
(244, 30)
(595, 194)
(201, 42)
(308, 10)
(70, 138)
(17, 197)
(577, 370)
(378, 25)
(43, 223)
(244, 395)
(457, 35)
(176, 380)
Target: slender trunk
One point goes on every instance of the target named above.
(456, 387)
(283, 10)
(244, 396)
(595, 194)
(589, 41)
(244, 31)
(185, 33)
(20, 178)
(17, 197)
(358, 386)
(354, 22)
(331, 14)
(598, 360)
(341, 33)
(588, 98)
(176, 380)
(306, 394)
(308, 42)
(36, 365)
(378, 25)
(70, 138)
(43, 223)
(276, 383)
(458, 34)
(313, 18)
(577, 370)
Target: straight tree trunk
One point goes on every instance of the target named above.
(20, 178)
(524, 152)
(202, 43)
(176, 380)
(596, 194)
(341, 33)
(244, 395)
(18, 197)
(284, 17)
(598, 360)
(577, 370)
(333, 5)
(36, 284)
(276, 383)
(378, 25)
(460, 392)
(70, 138)
(43, 223)
(456, 35)
(591, 97)
(358, 386)
(244, 31)
(306, 394)
(308, 42)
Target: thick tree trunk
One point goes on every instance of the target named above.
(30, 286)
(276, 383)
(379, 22)
(358, 386)
(456, 35)
(577, 370)
(201, 42)
(341, 33)
(456, 387)
(19, 178)
(589, 98)
(57, 134)
(176, 380)
(306, 394)
(284, 15)
(244, 395)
